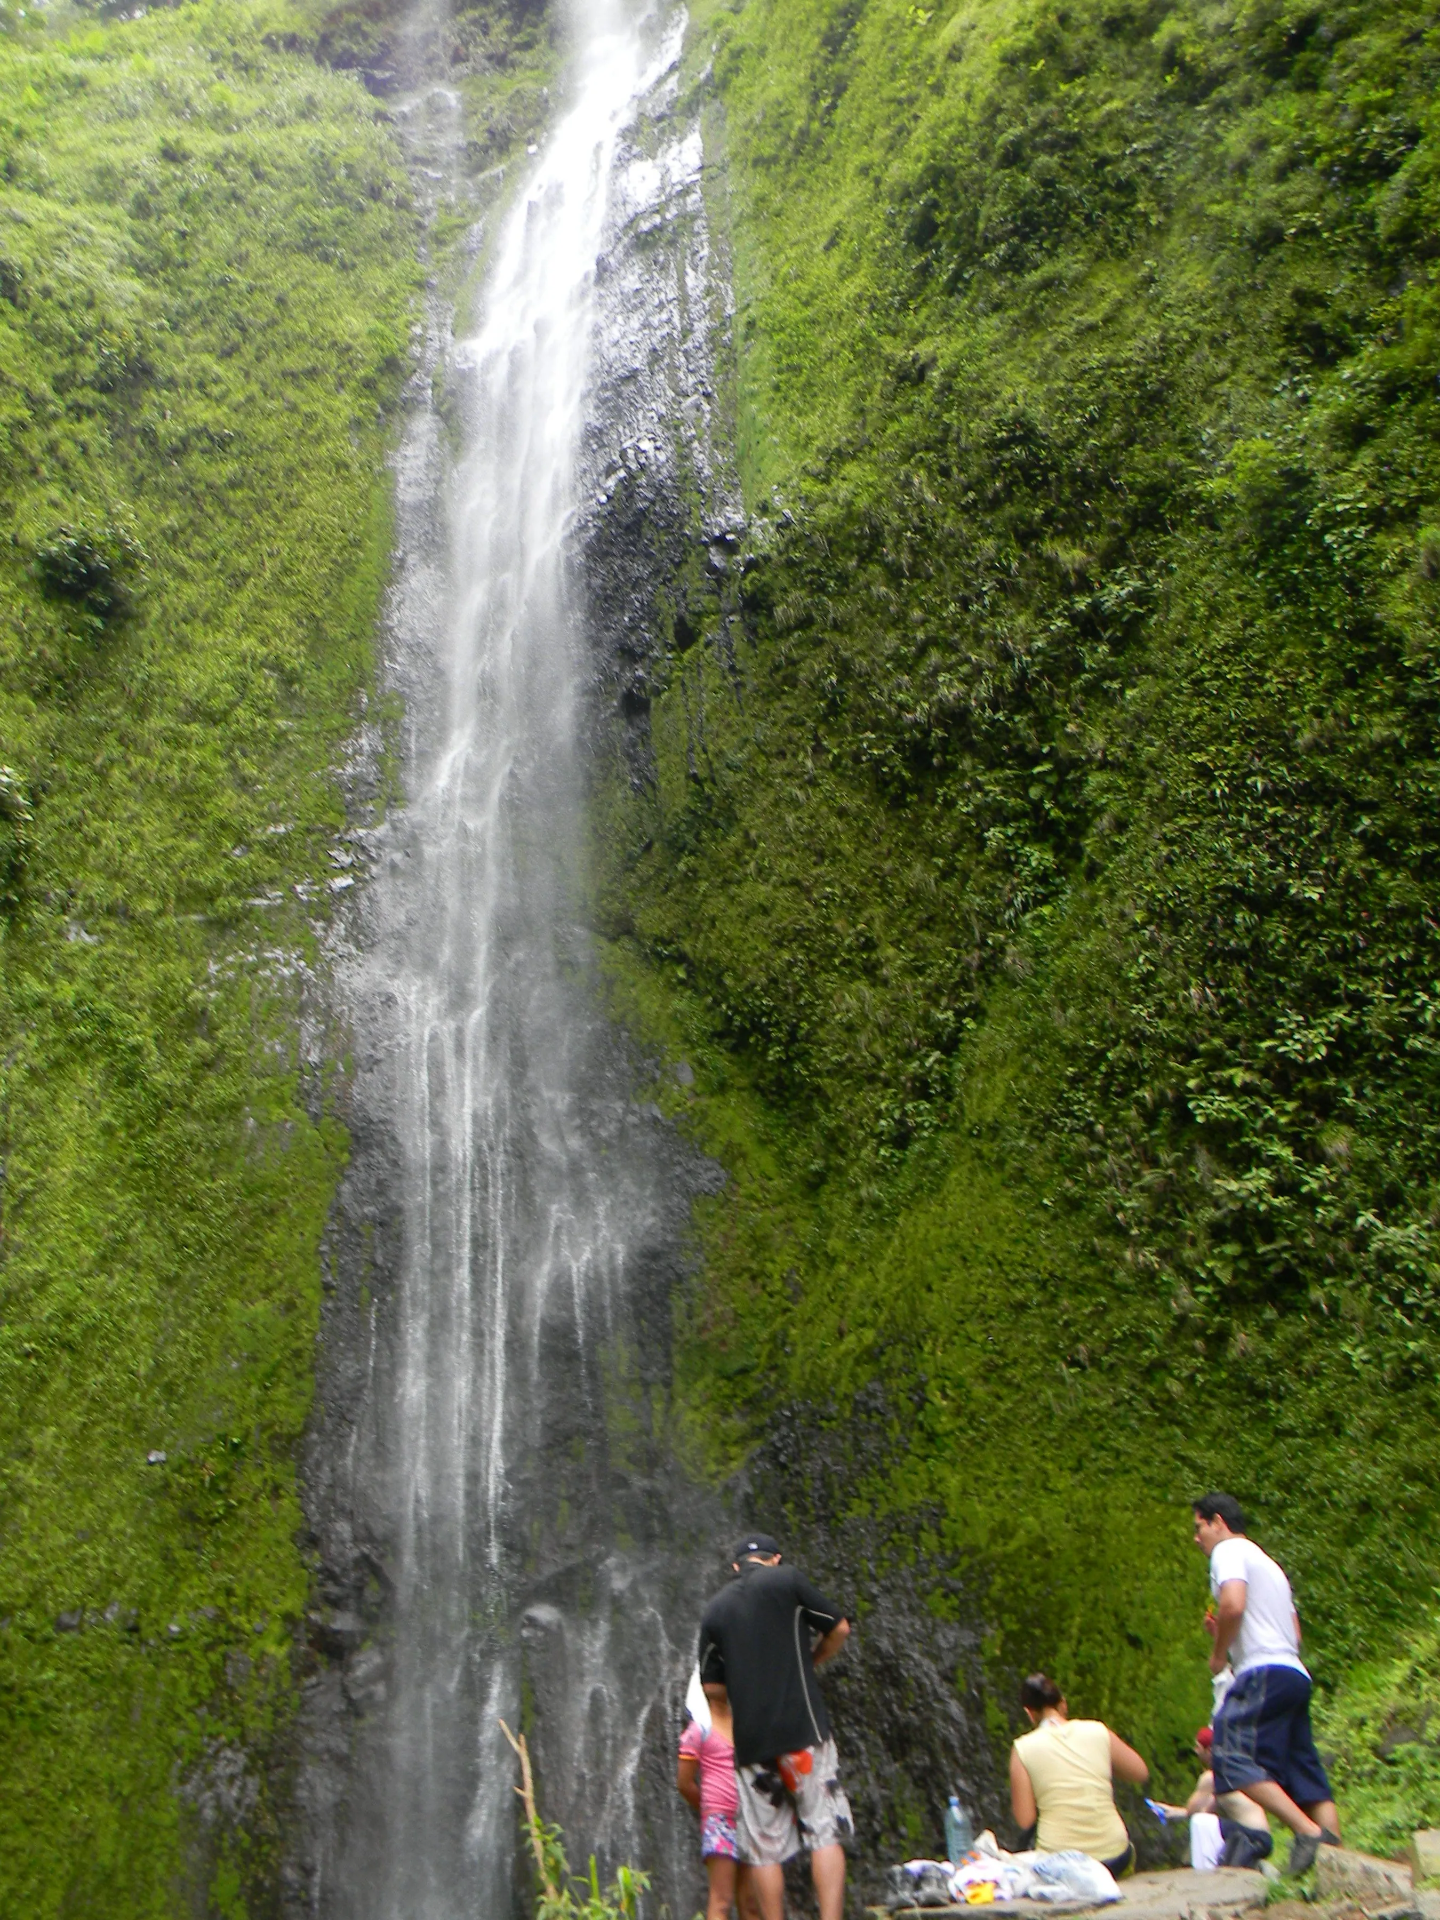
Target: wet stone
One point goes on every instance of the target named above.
(335, 1634)
(364, 1680)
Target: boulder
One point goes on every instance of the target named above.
(1425, 1854)
(1341, 1874)
(336, 1633)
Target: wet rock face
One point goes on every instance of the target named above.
(376, 39)
(660, 524)
(905, 1694)
(659, 547)
(595, 1635)
(659, 544)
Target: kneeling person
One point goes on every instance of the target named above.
(762, 1638)
(1232, 1832)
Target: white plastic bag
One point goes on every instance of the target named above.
(696, 1705)
(1033, 1876)
(1073, 1872)
(1207, 1843)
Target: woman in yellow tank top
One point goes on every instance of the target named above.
(1062, 1775)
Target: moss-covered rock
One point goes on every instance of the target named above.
(208, 261)
(1047, 912)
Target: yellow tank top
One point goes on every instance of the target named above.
(1068, 1762)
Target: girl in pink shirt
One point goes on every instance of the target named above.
(706, 1779)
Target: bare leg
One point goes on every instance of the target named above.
(768, 1886)
(827, 1869)
(1326, 1813)
(745, 1898)
(722, 1886)
(1273, 1797)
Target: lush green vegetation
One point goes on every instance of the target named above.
(1046, 900)
(1380, 1726)
(207, 264)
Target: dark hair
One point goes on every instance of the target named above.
(1039, 1691)
(1220, 1506)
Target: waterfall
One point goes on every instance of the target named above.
(540, 1553)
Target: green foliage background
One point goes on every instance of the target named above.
(1041, 890)
(1043, 894)
(209, 264)
(207, 259)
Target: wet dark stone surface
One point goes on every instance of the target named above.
(905, 1695)
(656, 548)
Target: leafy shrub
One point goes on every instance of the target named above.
(1381, 1735)
(95, 571)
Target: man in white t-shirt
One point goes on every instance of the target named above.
(1263, 1744)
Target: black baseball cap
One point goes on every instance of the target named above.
(755, 1543)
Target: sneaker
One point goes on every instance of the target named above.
(1302, 1854)
(1328, 1839)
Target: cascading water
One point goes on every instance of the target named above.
(500, 1525)
(538, 1549)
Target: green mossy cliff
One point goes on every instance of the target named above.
(207, 262)
(1041, 899)
(1045, 899)
(210, 270)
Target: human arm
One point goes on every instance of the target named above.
(1229, 1613)
(830, 1645)
(687, 1773)
(1022, 1793)
(822, 1617)
(1202, 1800)
(709, 1660)
(1125, 1762)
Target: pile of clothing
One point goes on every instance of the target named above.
(988, 1873)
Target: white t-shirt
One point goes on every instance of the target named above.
(1267, 1632)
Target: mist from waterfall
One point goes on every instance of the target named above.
(539, 1560)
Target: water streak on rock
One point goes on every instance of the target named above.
(508, 1479)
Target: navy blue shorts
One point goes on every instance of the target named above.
(1262, 1732)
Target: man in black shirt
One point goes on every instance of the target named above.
(756, 1640)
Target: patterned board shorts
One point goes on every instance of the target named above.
(792, 1803)
(717, 1836)
(1262, 1732)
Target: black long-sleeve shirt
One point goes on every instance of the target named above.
(755, 1638)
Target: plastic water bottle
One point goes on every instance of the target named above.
(959, 1834)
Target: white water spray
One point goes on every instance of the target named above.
(529, 1199)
